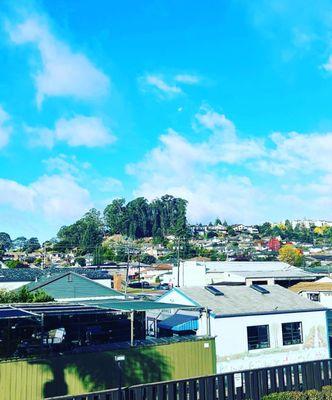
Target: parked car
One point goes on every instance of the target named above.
(140, 285)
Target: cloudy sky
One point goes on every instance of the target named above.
(225, 103)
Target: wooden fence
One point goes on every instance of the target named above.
(251, 384)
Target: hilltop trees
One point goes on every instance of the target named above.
(136, 219)
(85, 234)
(139, 218)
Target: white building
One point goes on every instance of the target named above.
(256, 327)
(320, 291)
(196, 273)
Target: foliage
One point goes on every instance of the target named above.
(147, 259)
(85, 234)
(139, 218)
(5, 241)
(31, 245)
(80, 261)
(325, 394)
(19, 243)
(24, 296)
(14, 264)
(291, 255)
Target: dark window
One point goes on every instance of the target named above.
(258, 337)
(313, 296)
(292, 333)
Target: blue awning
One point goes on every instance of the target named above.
(180, 322)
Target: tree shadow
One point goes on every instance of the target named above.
(99, 370)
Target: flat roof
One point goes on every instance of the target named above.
(245, 300)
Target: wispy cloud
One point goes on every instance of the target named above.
(77, 131)
(62, 71)
(169, 86)
(5, 128)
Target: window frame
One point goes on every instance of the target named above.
(292, 333)
(260, 346)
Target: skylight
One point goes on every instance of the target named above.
(214, 290)
(259, 289)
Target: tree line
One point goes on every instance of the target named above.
(136, 219)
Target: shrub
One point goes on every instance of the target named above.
(325, 394)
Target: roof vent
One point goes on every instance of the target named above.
(259, 289)
(214, 290)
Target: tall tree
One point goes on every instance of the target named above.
(5, 241)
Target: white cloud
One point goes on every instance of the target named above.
(328, 65)
(65, 164)
(58, 198)
(5, 128)
(187, 79)
(77, 131)
(170, 86)
(160, 84)
(294, 151)
(213, 174)
(62, 72)
(193, 171)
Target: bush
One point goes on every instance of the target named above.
(325, 394)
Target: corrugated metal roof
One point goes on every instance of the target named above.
(180, 323)
(243, 300)
(70, 285)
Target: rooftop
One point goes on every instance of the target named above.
(244, 300)
(312, 286)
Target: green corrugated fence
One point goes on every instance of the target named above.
(35, 379)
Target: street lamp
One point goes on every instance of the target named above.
(119, 359)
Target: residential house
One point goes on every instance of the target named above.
(69, 286)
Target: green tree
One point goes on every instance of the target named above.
(5, 241)
(32, 245)
(114, 215)
(19, 243)
(14, 264)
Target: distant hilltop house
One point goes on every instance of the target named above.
(307, 223)
(255, 327)
(194, 273)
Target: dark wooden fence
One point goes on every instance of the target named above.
(251, 384)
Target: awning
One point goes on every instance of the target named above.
(180, 322)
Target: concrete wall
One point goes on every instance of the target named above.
(232, 343)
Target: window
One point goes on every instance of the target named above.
(258, 337)
(292, 333)
(313, 296)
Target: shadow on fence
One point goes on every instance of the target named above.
(251, 384)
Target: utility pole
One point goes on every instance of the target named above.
(178, 262)
(127, 269)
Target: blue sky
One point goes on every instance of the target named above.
(225, 103)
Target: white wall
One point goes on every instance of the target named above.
(12, 285)
(325, 297)
(192, 273)
(232, 344)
